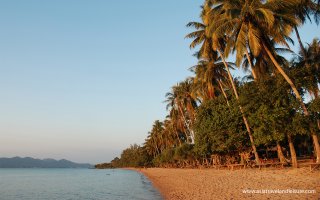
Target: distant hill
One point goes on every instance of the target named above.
(18, 162)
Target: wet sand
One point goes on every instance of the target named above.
(224, 184)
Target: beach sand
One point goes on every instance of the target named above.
(224, 184)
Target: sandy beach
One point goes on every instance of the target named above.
(224, 184)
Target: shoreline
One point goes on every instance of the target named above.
(176, 184)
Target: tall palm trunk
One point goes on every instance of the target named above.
(187, 125)
(300, 43)
(250, 63)
(254, 149)
(293, 154)
(223, 92)
(298, 96)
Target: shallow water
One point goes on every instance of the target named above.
(75, 184)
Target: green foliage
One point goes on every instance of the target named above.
(134, 156)
(165, 157)
(219, 128)
(272, 111)
(104, 166)
(315, 106)
(184, 152)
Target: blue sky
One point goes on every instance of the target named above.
(83, 80)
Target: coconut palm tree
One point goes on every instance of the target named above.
(200, 36)
(210, 78)
(154, 143)
(262, 64)
(303, 11)
(309, 59)
(171, 134)
(182, 100)
(178, 125)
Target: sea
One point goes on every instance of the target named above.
(75, 184)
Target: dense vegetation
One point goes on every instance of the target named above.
(214, 118)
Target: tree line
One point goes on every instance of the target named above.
(215, 118)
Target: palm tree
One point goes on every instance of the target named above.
(252, 24)
(171, 134)
(309, 61)
(178, 125)
(303, 11)
(182, 100)
(206, 54)
(262, 64)
(200, 36)
(154, 143)
(309, 58)
(150, 145)
(209, 79)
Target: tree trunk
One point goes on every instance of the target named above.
(294, 161)
(223, 92)
(254, 149)
(250, 63)
(242, 159)
(187, 125)
(300, 43)
(280, 153)
(298, 96)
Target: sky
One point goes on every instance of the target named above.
(84, 79)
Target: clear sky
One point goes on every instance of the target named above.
(84, 79)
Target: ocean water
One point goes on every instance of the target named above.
(75, 184)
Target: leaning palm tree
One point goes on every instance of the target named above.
(254, 24)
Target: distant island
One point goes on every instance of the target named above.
(28, 162)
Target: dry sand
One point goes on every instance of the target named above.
(224, 184)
